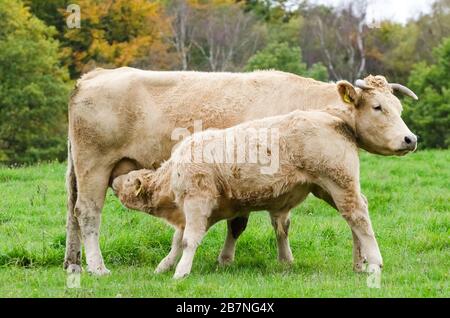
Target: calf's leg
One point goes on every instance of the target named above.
(358, 260)
(235, 227)
(354, 209)
(175, 251)
(281, 222)
(197, 211)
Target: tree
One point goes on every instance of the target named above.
(115, 33)
(49, 11)
(270, 10)
(182, 15)
(33, 89)
(318, 71)
(430, 116)
(281, 56)
(227, 36)
(433, 27)
(337, 36)
(391, 50)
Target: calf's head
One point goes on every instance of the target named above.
(377, 112)
(133, 191)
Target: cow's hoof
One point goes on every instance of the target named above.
(74, 269)
(225, 260)
(180, 275)
(99, 271)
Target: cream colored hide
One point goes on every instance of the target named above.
(317, 152)
(126, 119)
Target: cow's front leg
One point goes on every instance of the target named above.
(175, 251)
(235, 227)
(354, 209)
(281, 222)
(92, 186)
(196, 211)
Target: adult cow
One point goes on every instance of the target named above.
(125, 118)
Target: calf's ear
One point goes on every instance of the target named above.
(347, 92)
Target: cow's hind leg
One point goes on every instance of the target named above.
(235, 227)
(281, 222)
(92, 186)
(175, 251)
(72, 259)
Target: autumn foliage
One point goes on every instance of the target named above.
(115, 33)
(41, 57)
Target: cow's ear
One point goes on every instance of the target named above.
(348, 93)
(138, 185)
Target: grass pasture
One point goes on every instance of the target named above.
(409, 202)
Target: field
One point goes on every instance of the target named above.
(409, 201)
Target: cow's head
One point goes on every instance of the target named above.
(133, 190)
(378, 124)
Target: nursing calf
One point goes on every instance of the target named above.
(316, 152)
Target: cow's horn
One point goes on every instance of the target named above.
(405, 90)
(361, 84)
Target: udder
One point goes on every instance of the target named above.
(122, 167)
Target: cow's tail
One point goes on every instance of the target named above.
(71, 180)
(72, 224)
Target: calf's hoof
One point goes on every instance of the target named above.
(225, 260)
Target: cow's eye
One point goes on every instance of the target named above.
(378, 108)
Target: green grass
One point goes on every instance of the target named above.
(410, 210)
